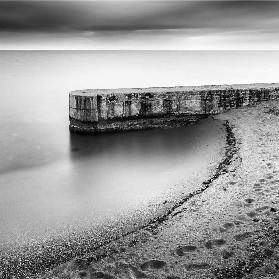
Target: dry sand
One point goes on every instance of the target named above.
(229, 230)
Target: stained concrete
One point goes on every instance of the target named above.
(105, 110)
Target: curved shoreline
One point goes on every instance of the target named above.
(228, 231)
(33, 262)
(49, 262)
(231, 151)
(153, 225)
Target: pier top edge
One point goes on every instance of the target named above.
(94, 92)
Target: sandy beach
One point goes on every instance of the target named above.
(139, 139)
(228, 228)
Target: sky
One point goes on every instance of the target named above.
(158, 25)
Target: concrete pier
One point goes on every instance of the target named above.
(94, 111)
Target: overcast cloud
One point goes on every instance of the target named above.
(139, 24)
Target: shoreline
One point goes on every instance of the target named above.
(22, 261)
(153, 225)
(229, 235)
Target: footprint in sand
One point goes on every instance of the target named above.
(242, 236)
(137, 273)
(182, 250)
(153, 264)
(124, 269)
(249, 200)
(252, 214)
(226, 227)
(216, 242)
(222, 230)
(197, 266)
(262, 208)
(269, 165)
(82, 274)
(102, 275)
(258, 186)
(227, 254)
(238, 204)
(80, 264)
(242, 218)
(267, 213)
(269, 177)
(237, 223)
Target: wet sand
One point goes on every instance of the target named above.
(229, 228)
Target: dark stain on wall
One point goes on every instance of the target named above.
(167, 106)
(145, 108)
(99, 109)
(127, 108)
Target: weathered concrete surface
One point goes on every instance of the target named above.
(106, 110)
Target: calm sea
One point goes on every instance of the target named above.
(54, 185)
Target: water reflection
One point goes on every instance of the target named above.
(101, 178)
(128, 169)
(52, 182)
(151, 145)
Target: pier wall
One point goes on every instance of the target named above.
(96, 111)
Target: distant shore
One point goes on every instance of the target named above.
(228, 230)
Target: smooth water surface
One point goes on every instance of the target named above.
(52, 183)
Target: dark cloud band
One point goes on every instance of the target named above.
(71, 16)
